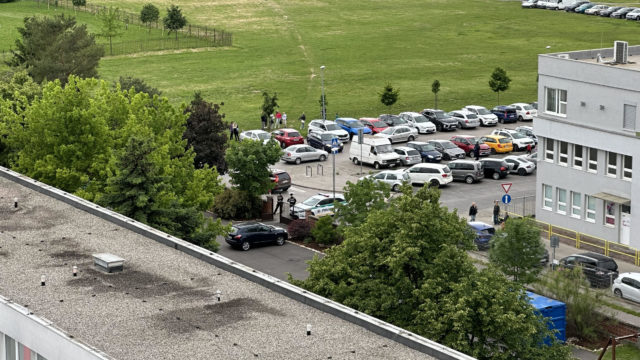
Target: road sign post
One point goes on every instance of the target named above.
(506, 198)
(360, 141)
(506, 187)
(334, 150)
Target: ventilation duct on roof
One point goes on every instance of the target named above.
(620, 52)
(108, 262)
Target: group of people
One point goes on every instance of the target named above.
(234, 133)
(278, 120)
(473, 212)
(292, 203)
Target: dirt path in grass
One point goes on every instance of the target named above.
(166, 52)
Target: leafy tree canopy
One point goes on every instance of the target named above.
(362, 198)
(517, 249)
(389, 96)
(499, 81)
(206, 133)
(435, 87)
(249, 162)
(54, 48)
(270, 102)
(174, 20)
(149, 14)
(111, 26)
(79, 2)
(138, 85)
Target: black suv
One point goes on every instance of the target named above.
(600, 270)
(495, 168)
(323, 141)
(282, 180)
(440, 119)
(246, 235)
(393, 120)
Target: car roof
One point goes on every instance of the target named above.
(430, 165)
(288, 130)
(369, 119)
(464, 136)
(413, 113)
(594, 256)
(245, 224)
(520, 104)
(405, 148)
(479, 225)
(463, 161)
(418, 142)
(497, 137)
(475, 107)
(322, 121)
(347, 119)
(492, 160)
(463, 111)
(504, 107)
(633, 275)
(439, 140)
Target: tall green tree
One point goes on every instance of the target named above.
(362, 198)
(138, 85)
(389, 96)
(517, 249)
(206, 133)
(435, 89)
(78, 3)
(54, 48)
(499, 81)
(269, 103)
(174, 20)
(149, 15)
(249, 162)
(111, 26)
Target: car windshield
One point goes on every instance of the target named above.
(382, 149)
(331, 127)
(355, 124)
(388, 131)
(326, 137)
(312, 201)
(472, 116)
(264, 136)
(446, 169)
(483, 111)
(472, 140)
(449, 145)
(609, 265)
(420, 119)
(426, 147)
(413, 153)
(294, 134)
(379, 124)
(440, 115)
(517, 135)
(504, 141)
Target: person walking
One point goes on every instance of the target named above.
(496, 213)
(236, 131)
(473, 211)
(263, 119)
(279, 205)
(292, 204)
(278, 119)
(529, 149)
(476, 150)
(303, 118)
(284, 119)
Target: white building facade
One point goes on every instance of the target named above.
(589, 143)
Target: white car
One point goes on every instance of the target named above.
(299, 153)
(328, 127)
(431, 174)
(408, 155)
(525, 111)
(627, 286)
(633, 15)
(528, 4)
(519, 141)
(528, 131)
(256, 135)
(419, 121)
(394, 178)
(487, 118)
(594, 10)
(521, 165)
(466, 119)
(552, 4)
(316, 204)
(398, 133)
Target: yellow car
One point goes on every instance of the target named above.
(497, 143)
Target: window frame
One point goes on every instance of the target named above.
(626, 107)
(558, 104)
(547, 202)
(576, 210)
(627, 170)
(559, 203)
(610, 219)
(590, 213)
(563, 158)
(578, 158)
(614, 166)
(549, 154)
(590, 161)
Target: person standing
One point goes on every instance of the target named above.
(271, 121)
(476, 150)
(284, 119)
(278, 119)
(473, 211)
(231, 130)
(263, 119)
(529, 149)
(279, 205)
(496, 213)
(292, 204)
(303, 118)
(236, 131)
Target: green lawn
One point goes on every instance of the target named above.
(280, 45)
(626, 352)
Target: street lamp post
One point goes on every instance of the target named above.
(324, 111)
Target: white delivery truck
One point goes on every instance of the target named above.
(374, 151)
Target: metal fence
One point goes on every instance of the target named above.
(522, 206)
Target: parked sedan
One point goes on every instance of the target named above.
(484, 232)
(633, 14)
(393, 120)
(448, 149)
(495, 168)
(299, 153)
(427, 151)
(487, 118)
(521, 165)
(575, 5)
(256, 135)
(247, 235)
(394, 178)
(525, 111)
(287, 137)
(595, 9)
(609, 11)
(440, 119)
(627, 286)
(419, 121)
(376, 125)
(466, 119)
(529, 4)
(398, 134)
(468, 143)
(323, 141)
(351, 126)
(584, 7)
(622, 13)
(408, 156)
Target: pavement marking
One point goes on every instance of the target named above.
(295, 189)
(304, 247)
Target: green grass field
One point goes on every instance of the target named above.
(279, 45)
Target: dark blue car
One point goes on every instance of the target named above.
(249, 234)
(426, 150)
(351, 126)
(484, 233)
(505, 114)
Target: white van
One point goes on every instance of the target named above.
(375, 151)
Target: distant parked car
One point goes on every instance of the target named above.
(376, 125)
(398, 133)
(584, 7)
(533, 157)
(427, 151)
(329, 127)
(468, 143)
(351, 126)
(299, 153)
(534, 105)
(495, 168)
(394, 178)
(497, 143)
(552, 4)
(600, 270)
(431, 174)
(317, 205)
(287, 137)
(525, 111)
(621, 13)
(505, 114)
(256, 135)
(521, 165)
(595, 9)
(282, 180)
(419, 121)
(246, 235)
(520, 141)
(440, 119)
(448, 149)
(609, 11)
(487, 118)
(633, 15)
(484, 232)
(627, 286)
(393, 120)
(529, 4)
(528, 131)
(408, 155)
(572, 7)
(323, 141)
(468, 171)
(466, 119)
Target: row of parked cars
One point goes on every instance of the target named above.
(585, 7)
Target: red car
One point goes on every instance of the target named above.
(468, 142)
(287, 137)
(376, 125)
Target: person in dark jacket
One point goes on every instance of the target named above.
(279, 205)
(292, 203)
(476, 150)
(496, 213)
(473, 211)
(263, 119)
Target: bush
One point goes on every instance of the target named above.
(6, 1)
(236, 204)
(299, 230)
(324, 232)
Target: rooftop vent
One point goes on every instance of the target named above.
(108, 262)
(563, 56)
(620, 52)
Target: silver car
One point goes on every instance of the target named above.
(466, 119)
(256, 135)
(408, 156)
(394, 178)
(419, 121)
(449, 150)
(521, 165)
(328, 127)
(299, 153)
(398, 133)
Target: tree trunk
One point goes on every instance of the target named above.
(436, 95)
(498, 97)
(110, 47)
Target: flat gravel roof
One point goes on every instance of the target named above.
(163, 305)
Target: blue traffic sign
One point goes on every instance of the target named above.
(506, 198)
(334, 142)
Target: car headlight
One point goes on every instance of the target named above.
(430, 156)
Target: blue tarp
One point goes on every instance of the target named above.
(555, 310)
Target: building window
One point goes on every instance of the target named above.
(629, 120)
(612, 164)
(547, 202)
(556, 101)
(610, 213)
(590, 214)
(577, 156)
(626, 167)
(548, 149)
(10, 347)
(562, 201)
(576, 204)
(593, 160)
(563, 155)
